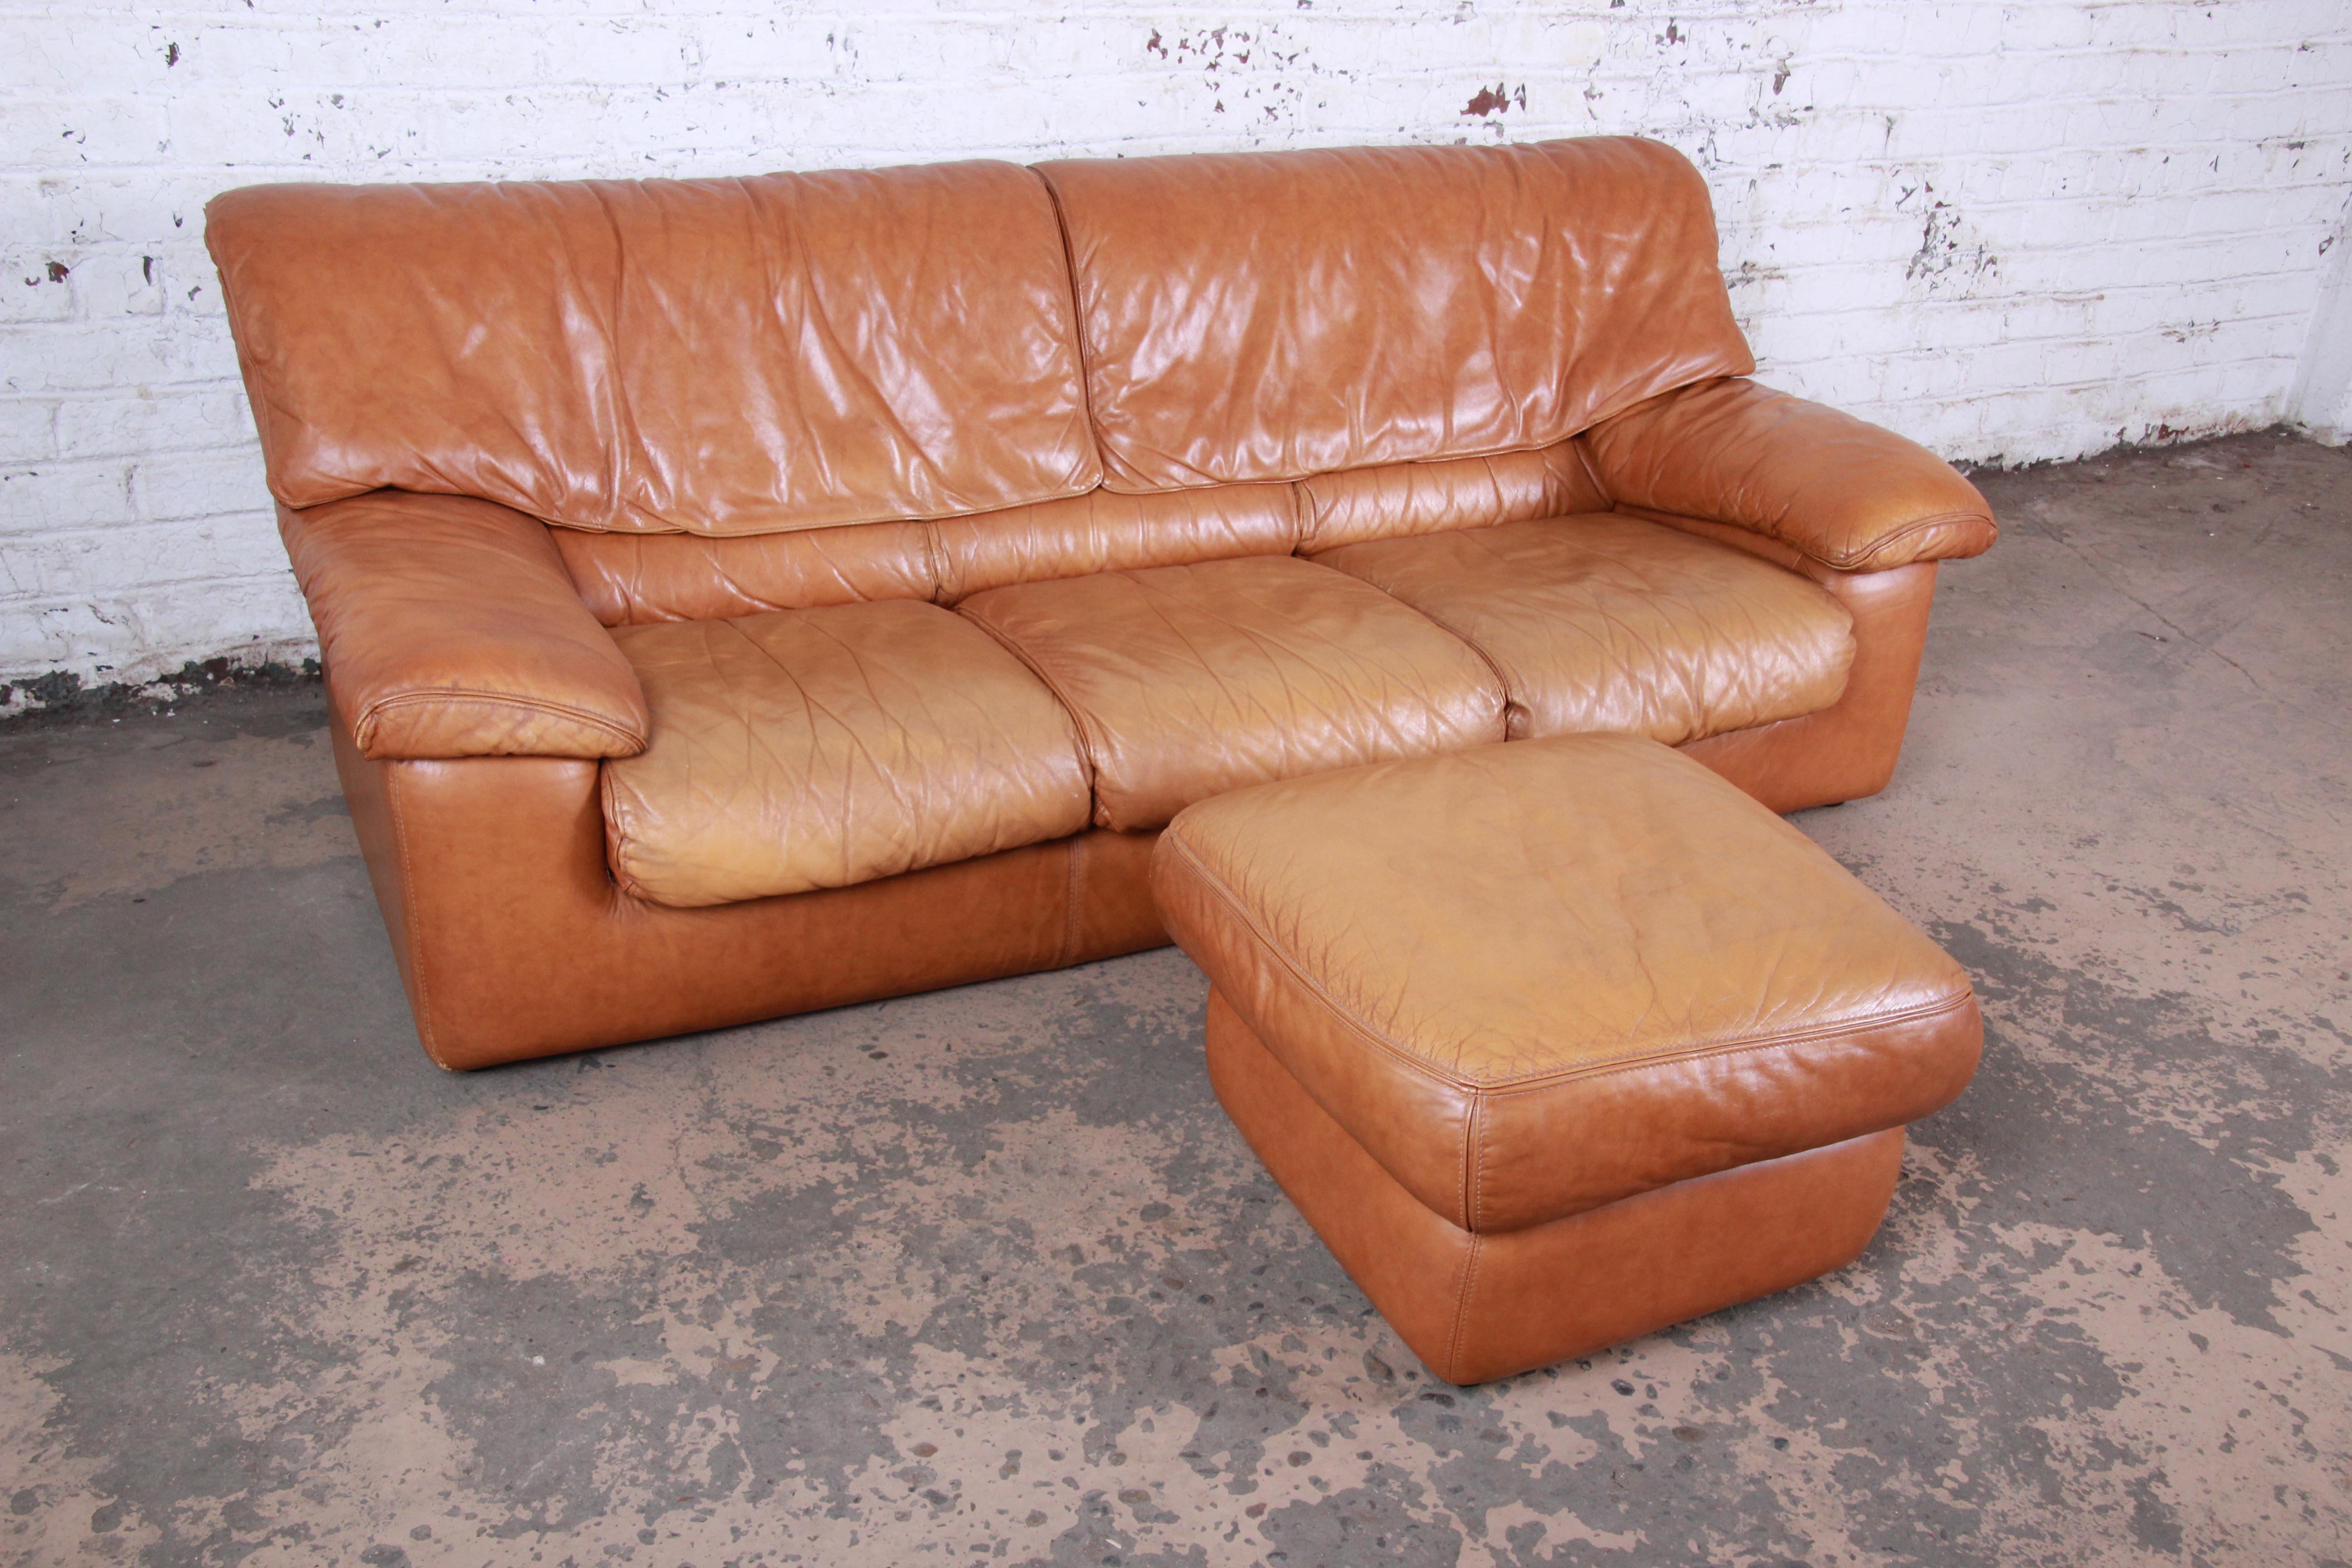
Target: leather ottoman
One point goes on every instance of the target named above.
(1557, 1042)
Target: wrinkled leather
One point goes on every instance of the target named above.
(1536, 978)
(1847, 493)
(1433, 497)
(633, 579)
(1848, 750)
(1612, 624)
(592, 352)
(1476, 1307)
(821, 748)
(1110, 909)
(712, 356)
(1270, 315)
(1105, 532)
(1187, 681)
(514, 942)
(448, 628)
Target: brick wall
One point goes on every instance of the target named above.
(2012, 231)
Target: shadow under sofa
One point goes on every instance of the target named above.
(1520, 448)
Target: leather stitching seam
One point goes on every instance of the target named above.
(1302, 515)
(1211, 479)
(1077, 328)
(1502, 682)
(425, 1031)
(1073, 904)
(1584, 460)
(1473, 1162)
(365, 731)
(1462, 1306)
(935, 563)
(1077, 719)
(1836, 561)
(617, 840)
(1736, 1045)
(1849, 559)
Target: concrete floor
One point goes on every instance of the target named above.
(986, 1276)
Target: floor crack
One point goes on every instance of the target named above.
(2087, 559)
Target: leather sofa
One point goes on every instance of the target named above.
(739, 597)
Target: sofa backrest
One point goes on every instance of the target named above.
(782, 390)
(711, 356)
(1272, 315)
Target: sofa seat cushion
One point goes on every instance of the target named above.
(819, 748)
(1187, 681)
(1600, 623)
(1533, 979)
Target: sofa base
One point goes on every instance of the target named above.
(514, 942)
(1479, 1307)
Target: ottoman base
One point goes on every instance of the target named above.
(1475, 1306)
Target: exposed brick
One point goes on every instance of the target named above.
(139, 555)
(207, 419)
(203, 483)
(2009, 229)
(52, 496)
(28, 430)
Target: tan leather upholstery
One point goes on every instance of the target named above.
(712, 356)
(1105, 532)
(1476, 1307)
(448, 629)
(1848, 494)
(633, 579)
(1849, 749)
(513, 941)
(821, 748)
(1190, 681)
(809, 392)
(1537, 978)
(1431, 497)
(1613, 624)
(1270, 315)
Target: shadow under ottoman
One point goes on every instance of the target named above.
(1559, 1041)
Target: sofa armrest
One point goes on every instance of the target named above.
(1848, 494)
(449, 628)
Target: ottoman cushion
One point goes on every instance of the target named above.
(1535, 978)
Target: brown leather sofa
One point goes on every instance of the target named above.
(745, 597)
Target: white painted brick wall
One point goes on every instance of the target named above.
(2013, 231)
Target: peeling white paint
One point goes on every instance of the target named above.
(2014, 231)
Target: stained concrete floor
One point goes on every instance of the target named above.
(986, 1276)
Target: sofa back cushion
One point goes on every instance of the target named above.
(1108, 531)
(1357, 504)
(637, 579)
(1271, 315)
(705, 356)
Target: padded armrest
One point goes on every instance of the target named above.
(449, 628)
(1848, 494)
